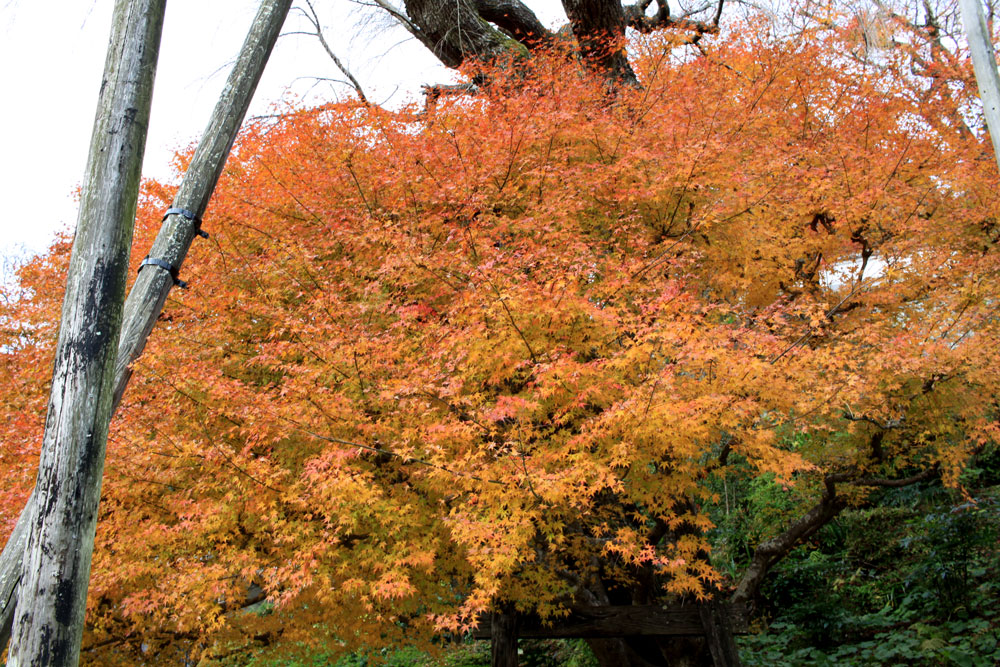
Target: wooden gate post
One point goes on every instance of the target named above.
(503, 637)
(719, 635)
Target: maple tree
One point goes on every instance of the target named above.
(497, 352)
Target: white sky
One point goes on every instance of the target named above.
(52, 56)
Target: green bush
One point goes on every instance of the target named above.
(913, 581)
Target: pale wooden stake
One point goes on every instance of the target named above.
(52, 595)
(145, 301)
(985, 64)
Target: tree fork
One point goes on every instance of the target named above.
(55, 573)
(145, 301)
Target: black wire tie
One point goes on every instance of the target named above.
(193, 217)
(166, 266)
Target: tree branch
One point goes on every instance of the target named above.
(516, 19)
(770, 552)
(635, 18)
(313, 18)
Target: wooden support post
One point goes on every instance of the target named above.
(148, 295)
(984, 63)
(503, 637)
(55, 574)
(181, 226)
(719, 635)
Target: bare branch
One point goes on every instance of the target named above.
(397, 14)
(313, 18)
(635, 17)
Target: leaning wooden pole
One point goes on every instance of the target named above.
(52, 595)
(182, 223)
(145, 301)
(985, 64)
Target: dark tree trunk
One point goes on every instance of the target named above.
(454, 31)
(460, 30)
(516, 19)
(599, 27)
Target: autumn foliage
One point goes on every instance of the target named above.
(497, 350)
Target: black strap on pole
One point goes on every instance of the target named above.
(184, 213)
(166, 266)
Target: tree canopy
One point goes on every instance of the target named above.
(500, 349)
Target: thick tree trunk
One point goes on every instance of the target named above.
(503, 637)
(516, 19)
(52, 595)
(599, 27)
(148, 295)
(455, 32)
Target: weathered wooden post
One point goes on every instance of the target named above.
(60, 537)
(985, 64)
(719, 634)
(172, 243)
(182, 222)
(503, 637)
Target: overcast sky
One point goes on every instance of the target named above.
(51, 61)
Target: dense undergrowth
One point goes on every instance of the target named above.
(914, 581)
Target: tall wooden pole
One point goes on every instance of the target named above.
(56, 566)
(984, 62)
(145, 301)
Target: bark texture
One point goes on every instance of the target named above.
(599, 27)
(145, 301)
(457, 31)
(52, 595)
(454, 31)
(516, 19)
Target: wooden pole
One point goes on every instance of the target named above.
(52, 596)
(503, 639)
(149, 293)
(718, 634)
(145, 301)
(985, 64)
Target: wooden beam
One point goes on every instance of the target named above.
(595, 622)
(149, 293)
(718, 634)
